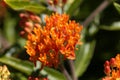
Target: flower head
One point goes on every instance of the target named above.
(55, 41)
(4, 73)
(37, 78)
(112, 68)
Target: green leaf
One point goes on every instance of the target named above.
(74, 6)
(84, 55)
(117, 6)
(110, 28)
(9, 28)
(114, 27)
(22, 66)
(17, 75)
(21, 42)
(25, 5)
(53, 74)
(27, 68)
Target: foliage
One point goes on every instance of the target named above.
(100, 39)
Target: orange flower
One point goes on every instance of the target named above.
(55, 41)
(37, 78)
(112, 68)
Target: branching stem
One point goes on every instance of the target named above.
(65, 72)
(99, 9)
(72, 69)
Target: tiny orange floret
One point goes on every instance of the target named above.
(55, 40)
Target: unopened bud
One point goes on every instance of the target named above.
(37, 19)
(33, 78)
(112, 62)
(50, 2)
(32, 17)
(23, 15)
(37, 25)
(64, 1)
(2, 3)
(107, 63)
(45, 78)
(29, 24)
(55, 2)
(28, 30)
(22, 33)
(107, 70)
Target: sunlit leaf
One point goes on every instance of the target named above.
(74, 6)
(53, 74)
(110, 28)
(25, 5)
(27, 68)
(84, 55)
(117, 6)
(93, 30)
(22, 66)
(85, 51)
(113, 27)
(21, 42)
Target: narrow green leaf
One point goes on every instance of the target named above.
(74, 6)
(84, 55)
(53, 74)
(27, 68)
(18, 75)
(23, 66)
(114, 27)
(117, 6)
(25, 5)
(110, 28)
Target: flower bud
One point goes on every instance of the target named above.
(112, 62)
(64, 1)
(107, 63)
(55, 2)
(107, 70)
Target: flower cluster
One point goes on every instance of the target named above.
(112, 68)
(55, 41)
(4, 73)
(27, 22)
(37, 78)
(55, 2)
(2, 3)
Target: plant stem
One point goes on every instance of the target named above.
(65, 72)
(99, 9)
(4, 44)
(72, 70)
